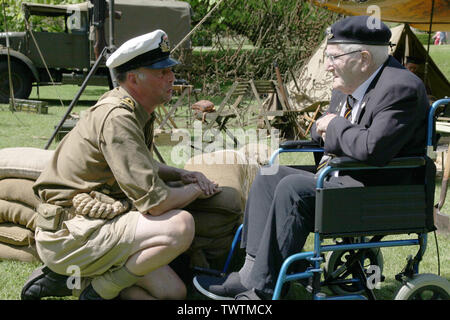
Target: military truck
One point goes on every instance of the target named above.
(69, 55)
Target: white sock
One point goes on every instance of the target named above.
(246, 269)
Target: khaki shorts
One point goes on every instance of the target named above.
(92, 245)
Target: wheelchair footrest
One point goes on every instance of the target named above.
(209, 271)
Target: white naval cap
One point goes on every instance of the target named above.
(151, 50)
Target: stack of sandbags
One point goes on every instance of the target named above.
(256, 155)
(19, 168)
(217, 218)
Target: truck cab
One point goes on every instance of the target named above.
(63, 53)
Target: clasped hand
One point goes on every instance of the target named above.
(208, 187)
(322, 124)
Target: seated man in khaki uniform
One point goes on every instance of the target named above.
(100, 170)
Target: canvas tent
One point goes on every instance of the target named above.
(417, 13)
(315, 83)
(407, 44)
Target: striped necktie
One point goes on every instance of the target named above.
(348, 112)
(349, 106)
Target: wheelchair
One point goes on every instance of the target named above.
(351, 265)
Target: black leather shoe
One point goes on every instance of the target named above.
(90, 294)
(253, 294)
(220, 288)
(43, 282)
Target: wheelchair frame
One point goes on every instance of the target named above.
(315, 256)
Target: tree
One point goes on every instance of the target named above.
(261, 32)
(262, 21)
(15, 18)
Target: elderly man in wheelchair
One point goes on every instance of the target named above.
(373, 179)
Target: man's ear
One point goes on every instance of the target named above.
(366, 60)
(132, 78)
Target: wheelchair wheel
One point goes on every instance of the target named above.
(425, 286)
(335, 270)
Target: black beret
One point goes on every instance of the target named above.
(359, 30)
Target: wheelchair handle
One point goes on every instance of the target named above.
(431, 115)
(347, 162)
(299, 144)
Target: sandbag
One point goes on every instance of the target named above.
(217, 218)
(19, 190)
(214, 225)
(23, 162)
(15, 234)
(256, 153)
(17, 213)
(227, 169)
(204, 250)
(20, 253)
(256, 156)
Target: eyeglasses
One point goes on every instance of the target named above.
(333, 58)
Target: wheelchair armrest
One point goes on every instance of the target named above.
(347, 162)
(299, 144)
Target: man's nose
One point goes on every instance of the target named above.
(171, 76)
(328, 64)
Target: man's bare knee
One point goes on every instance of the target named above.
(175, 292)
(173, 232)
(183, 230)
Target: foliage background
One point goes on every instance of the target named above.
(227, 47)
(15, 19)
(242, 39)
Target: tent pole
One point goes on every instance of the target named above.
(425, 76)
(12, 103)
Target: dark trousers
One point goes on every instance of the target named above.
(278, 218)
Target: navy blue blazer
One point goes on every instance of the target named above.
(391, 123)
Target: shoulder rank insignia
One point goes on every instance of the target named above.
(128, 103)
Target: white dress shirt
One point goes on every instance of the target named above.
(358, 95)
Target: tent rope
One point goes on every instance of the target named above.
(11, 87)
(197, 26)
(43, 60)
(425, 76)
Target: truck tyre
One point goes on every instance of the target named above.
(21, 78)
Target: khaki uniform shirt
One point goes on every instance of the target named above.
(109, 150)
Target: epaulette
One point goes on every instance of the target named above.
(128, 103)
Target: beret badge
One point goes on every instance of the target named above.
(329, 33)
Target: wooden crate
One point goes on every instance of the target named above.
(34, 106)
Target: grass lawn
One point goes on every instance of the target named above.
(441, 56)
(34, 130)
